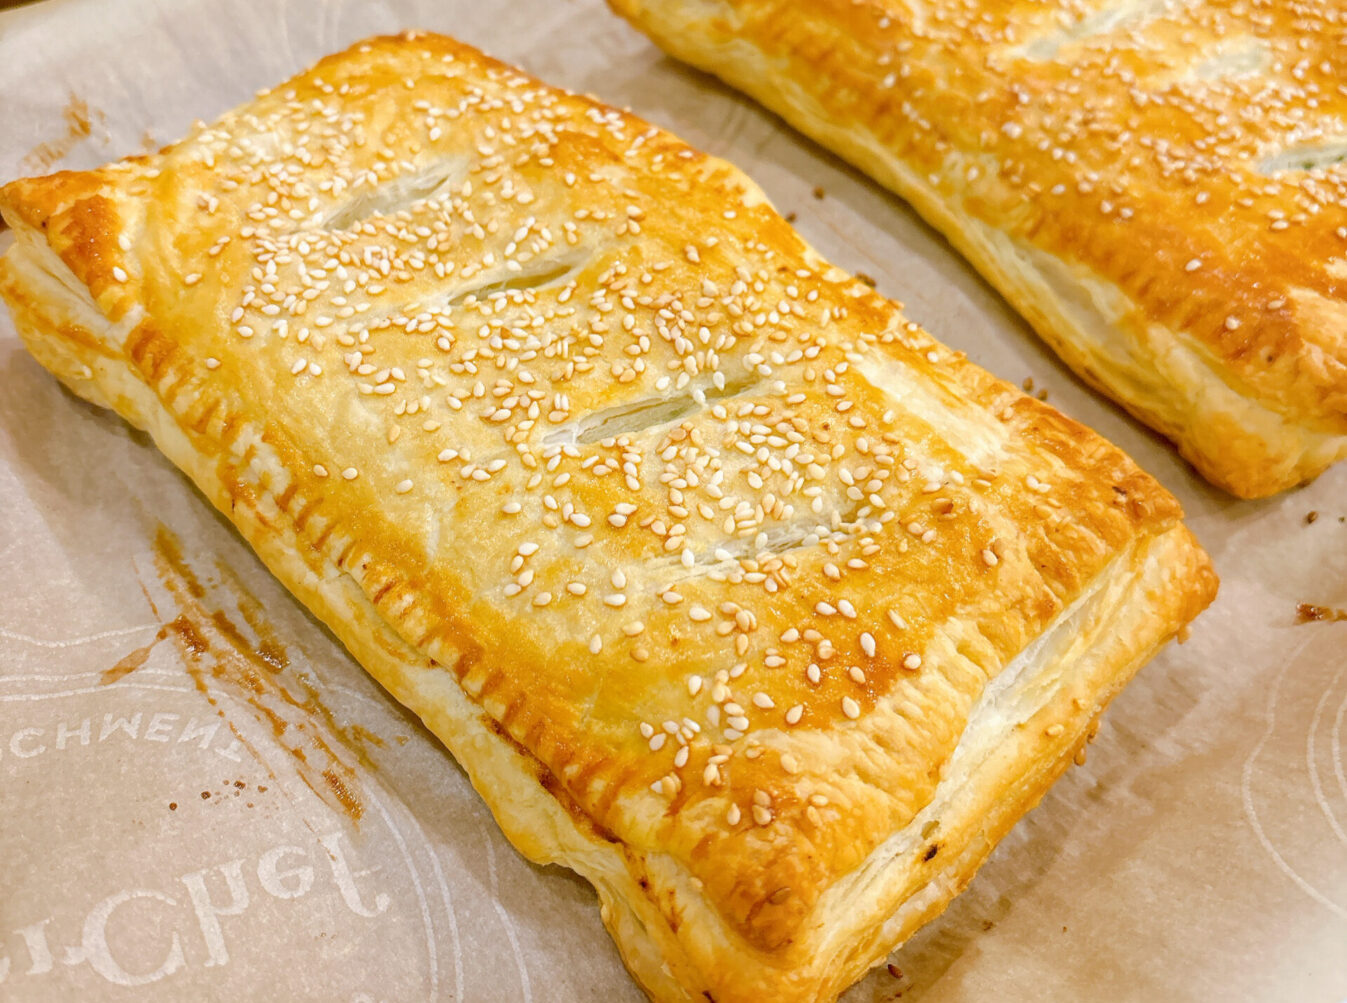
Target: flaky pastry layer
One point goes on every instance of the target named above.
(730, 588)
(1161, 189)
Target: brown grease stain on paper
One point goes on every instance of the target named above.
(131, 662)
(1310, 613)
(78, 117)
(223, 660)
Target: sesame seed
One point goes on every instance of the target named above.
(851, 708)
(403, 486)
(732, 815)
(794, 714)
(868, 644)
(350, 474)
(912, 662)
(119, 273)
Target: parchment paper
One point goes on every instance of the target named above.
(202, 796)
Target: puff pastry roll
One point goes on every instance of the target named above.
(1159, 188)
(730, 588)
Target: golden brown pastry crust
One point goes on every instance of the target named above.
(1129, 174)
(730, 587)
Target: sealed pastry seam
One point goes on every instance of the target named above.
(1189, 269)
(773, 762)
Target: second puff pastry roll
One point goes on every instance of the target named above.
(730, 588)
(1160, 188)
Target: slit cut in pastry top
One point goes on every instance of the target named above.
(645, 414)
(1109, 18)
(1316, 156)
(371, 196)
(595, 431)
